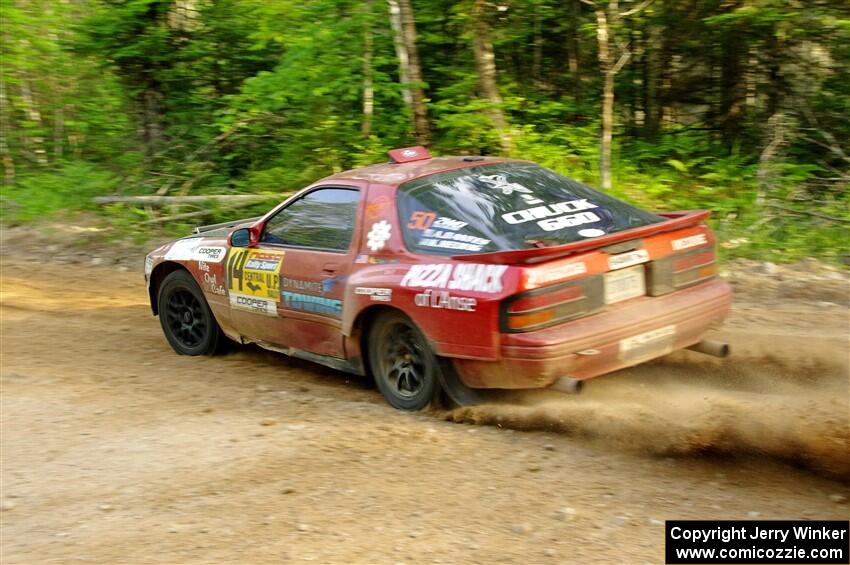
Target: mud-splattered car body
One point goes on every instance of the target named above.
(501, 314)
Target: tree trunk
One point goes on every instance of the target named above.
(777, 87)
(58, 132)
(663, 106)
(537, 55)
(486, 66)
(5, 128)
(765, 173)
(652, 82)
(36, 139)
(401, 54)
(422, 131)
(368, 87)
(731, 109)
(606, 65)
(152, 118)
(573, 49)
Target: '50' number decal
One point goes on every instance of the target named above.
(421, 220)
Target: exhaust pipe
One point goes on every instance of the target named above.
(568, 385)
(709, 347)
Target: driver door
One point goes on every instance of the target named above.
(298, 271)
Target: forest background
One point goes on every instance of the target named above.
(741, 107)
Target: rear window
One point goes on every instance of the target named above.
(507, 206)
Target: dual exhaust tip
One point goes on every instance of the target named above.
(572, 385)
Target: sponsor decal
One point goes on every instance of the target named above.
(452, 240)
(323, 287)
(544, 275)
(565, 213)
(628, 259)
(648, 344)
(409, 153)
(209, 254)
(299, 285)
(690, 241)
(255, 272)
(311, 303)
(148, 265)
(375, 294)
(377, 206)
(378, 235)
(554, 224)
(500, 182)
(444, 300)
(366, 259)
(421, 220)
(212, 285)
(639, 340)
(449, 224)
(624, 284)
(591, 232)
(253, 304)
(211, 281)
(190, 250)
(466, 276)
(329, 283)
(181, 250)
(441, 232)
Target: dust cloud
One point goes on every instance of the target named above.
(688, 405)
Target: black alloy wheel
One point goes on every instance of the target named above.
(403, 364)
(185, 316)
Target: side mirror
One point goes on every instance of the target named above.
(241, 238)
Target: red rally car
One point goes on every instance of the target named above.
(453, 273)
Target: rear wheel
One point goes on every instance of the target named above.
(402, 363)
(456, 390)
(186, 318)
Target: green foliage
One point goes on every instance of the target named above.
(739, 108)
(56, 103)
(52, 194)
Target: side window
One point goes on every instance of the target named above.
(322, 219)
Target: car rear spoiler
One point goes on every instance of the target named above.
(230, 224)
(675, 220)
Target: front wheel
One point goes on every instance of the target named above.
(402, 363)
(186, 318)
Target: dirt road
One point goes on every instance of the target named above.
(116, 450)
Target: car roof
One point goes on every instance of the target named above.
(394, 174)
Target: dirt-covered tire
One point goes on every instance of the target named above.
(456, 393)
(402, 362)
(186, 318)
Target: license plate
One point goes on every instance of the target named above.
(648, 344)
(624, 284)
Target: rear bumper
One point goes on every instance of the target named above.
(592, 346)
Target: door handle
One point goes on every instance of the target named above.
(330, 268)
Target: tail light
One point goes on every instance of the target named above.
(681, 270)
(550, 305)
